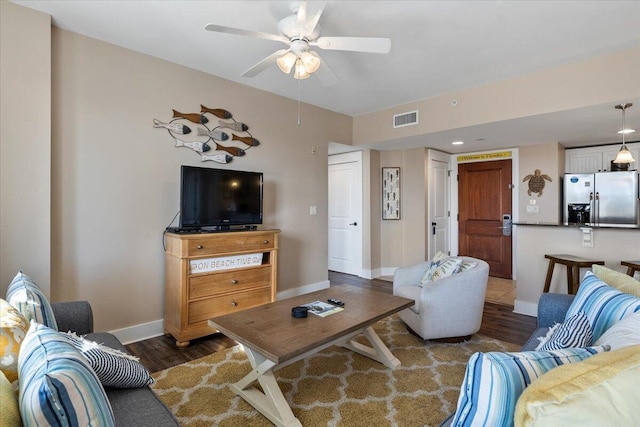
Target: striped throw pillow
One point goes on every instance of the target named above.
(57, 385)
(113, 367)
(494, 381)
(603, 304)
(572, 333)
(25, 295)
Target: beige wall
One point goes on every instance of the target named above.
(403, 240)
(25, 144)
(115, 178)
(604, 79)
(549, 159)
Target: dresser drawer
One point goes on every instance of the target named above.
(211, 284)
(217, 306)
(231, 242)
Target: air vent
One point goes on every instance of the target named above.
(405, 119)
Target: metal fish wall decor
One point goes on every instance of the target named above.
(215, 134)
(208, 137)
(198, 147)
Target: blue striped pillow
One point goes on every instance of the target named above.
(494, 381)
(57, 385)
(26, 296)
(603, 304)
(573, 332)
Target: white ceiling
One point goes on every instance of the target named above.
(436, 47)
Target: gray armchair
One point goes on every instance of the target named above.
(450, 307)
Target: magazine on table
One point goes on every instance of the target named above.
(322, 309)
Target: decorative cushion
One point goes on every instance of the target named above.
(623, 334)
(446, 269)
(113, 367)
(57, 385)
(441, 266)
(13, 328)
(603, 305)
(572, 333)
(494, 381)
(26, 296)
(466, 265)
(615, 279)
(10, 414)
(600, 391)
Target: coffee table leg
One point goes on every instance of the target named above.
(378, 351)
(271, 403)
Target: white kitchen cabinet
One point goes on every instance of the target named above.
(597, 158)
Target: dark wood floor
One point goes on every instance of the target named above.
(160, 353)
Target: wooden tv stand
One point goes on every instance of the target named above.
(211, 274)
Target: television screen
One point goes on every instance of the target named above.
(218, 198)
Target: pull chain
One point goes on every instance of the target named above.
(298, 103)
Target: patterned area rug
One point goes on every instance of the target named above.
(335, 387)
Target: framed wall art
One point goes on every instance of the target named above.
(390, 193)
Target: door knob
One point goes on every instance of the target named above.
(354, 223)
(433, 224)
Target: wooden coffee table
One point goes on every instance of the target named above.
(272, 339)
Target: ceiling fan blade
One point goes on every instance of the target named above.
(313, 22)
(324, 73)
(356, 44)
(264, 64)
(302, 12)
(240, 32)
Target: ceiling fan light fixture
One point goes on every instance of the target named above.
(299, 71)
(624, 155)
(311, 63)
(286, 62)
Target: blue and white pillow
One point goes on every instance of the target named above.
(25, 295)
(572, 333)
(603, 304)
(113, 367)
(494, 381)
(57, 385)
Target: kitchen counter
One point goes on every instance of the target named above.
(532, 242)
(594, 226)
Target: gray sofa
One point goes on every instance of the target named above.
(137, 407)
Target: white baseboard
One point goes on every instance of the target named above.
(155, 328)
(527, 308)
(140, 332)
(370, 274)
(388, 271)
(301, 290)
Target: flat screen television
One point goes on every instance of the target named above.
(216, 199)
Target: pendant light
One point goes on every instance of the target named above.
(624, 155)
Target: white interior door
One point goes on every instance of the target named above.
(439, 224)
(345, 213)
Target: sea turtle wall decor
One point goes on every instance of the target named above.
(536, 182)
(206, 136)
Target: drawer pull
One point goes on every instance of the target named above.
(234, 282)
(234, 304)
(200, 246)
(266, 242)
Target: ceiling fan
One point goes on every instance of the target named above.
(300, 35)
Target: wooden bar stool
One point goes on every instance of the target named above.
(573, 264)
(632, 266)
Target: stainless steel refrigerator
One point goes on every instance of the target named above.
(607, 198)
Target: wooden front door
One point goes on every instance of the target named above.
(484, 196)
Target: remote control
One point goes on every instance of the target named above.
(335, 302)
